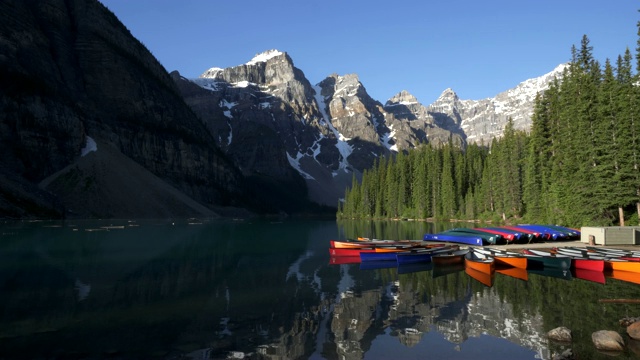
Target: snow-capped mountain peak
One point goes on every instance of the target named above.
(264, 56)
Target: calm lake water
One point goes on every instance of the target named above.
(268, 290)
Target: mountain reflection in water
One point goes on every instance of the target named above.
(269, 290)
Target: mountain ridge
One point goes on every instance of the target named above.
(334, 130)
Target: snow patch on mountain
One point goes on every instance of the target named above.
(295, 163)
(342, 144)
(89, 146)
(388, 137)
(206, 83)
(224, 104)
(264, 57)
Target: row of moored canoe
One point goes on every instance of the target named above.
(487, 259)
(525, 233)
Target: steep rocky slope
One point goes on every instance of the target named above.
(69, 69)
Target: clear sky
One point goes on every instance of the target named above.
(477, 48)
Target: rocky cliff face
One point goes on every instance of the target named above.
(271, 121)
(70, 70)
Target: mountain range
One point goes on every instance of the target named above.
(92, 125)
(334, 130)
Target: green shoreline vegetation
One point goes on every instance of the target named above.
(579, 164)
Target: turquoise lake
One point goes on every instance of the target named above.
(257, 289)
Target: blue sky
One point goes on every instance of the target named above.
(477, 48)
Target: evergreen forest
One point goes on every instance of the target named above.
(578, 165)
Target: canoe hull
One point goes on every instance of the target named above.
(622, 265)
(460, 239)
(456, 257)
(349, 252)
(472, 261)
(413, 258)
(341, 260)
(587, 264)
(377, 256)
(542, 259)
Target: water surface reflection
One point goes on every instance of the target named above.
(268, 290)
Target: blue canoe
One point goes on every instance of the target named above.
(413, 257)
(462, 239)
(554, 234)
(377, 256)
(423, 255)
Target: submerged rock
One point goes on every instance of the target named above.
(560, 334)
(634, 330)
(607, 340)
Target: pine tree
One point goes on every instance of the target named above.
(420, 185)
(448, 191)
(391, 191)
(511, 169)
(537, 156)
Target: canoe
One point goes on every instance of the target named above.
(413, 257)
(505, 259)
(531, 235)
(514, 272)
(622, 265)
(545, 259)
(340, 260)
(587, 264)
(419, 254)
(375, 265)
(391, 248)
(377, 256)
(450, 238)
(350, 252)
(630, 258)
(511, 236)
(487, 237)
(421, 245)
(479, 262)
(633, 255)
(449, 258)
(422, 255)
(554, 234)
(581, 260)
(339, 244)
(572, 234)
(486, 278)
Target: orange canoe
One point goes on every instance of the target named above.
(504, 258)
(622, 265)
(478, 262)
